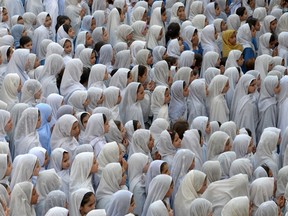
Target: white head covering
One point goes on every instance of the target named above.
(166, 147)
(209, 60)
(108, 154)
(161, 73)
(233, 22)
(216, 144)
(153, 36)
(158, 106)
(282, 23)
(4, 165)
(191, 141)
(226, 159)
(26, 131)
(80, 176)
(260, 13)
(262, 64)
(57, 211)
(54, 48)
(208, 39)
(188, 191)
(23, 169)
(173, 48)
(61, 135)
(158, 53)
(140, 141)
(264, 44)
(71, 77)
(210, 73)
(138, 29)
(85, 56)
(77, 99)
(56, 159)
(55, 101)
(198, 22)
(29, 89)
(119, 79)
(236, 206)
(158, 188)
(240, 145)
(196, 8)
(186, 59)
(5, 116)
(112, 25)
(158, 125)
(244, 37)
(75, 201)
(267, 208)
(120, 203)
(94, 95)
(212, 169)
(200, 207)
(282, 181)
(157, 208)
(136, 163)
(9, 89)
(40, 153)
(137, 14)
(233, 56)
(241, 165)
(21, 199)
(122, 59)
(266, 24)
(209, 12)
(97, 75)
(97, 212)
(230, 128)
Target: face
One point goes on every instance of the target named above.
(240, 61)
(195, 39)
(150, 59)
(124, 177)
(208, 128)
(206, 90)
(93, 24)
(90, 205)
(167, 96)
(244, 17)
(151, 143)
(215, 34)
(36, 169)
(67, 47)
(273, 25)
(132, 205)
(122, 16)
(85, 120)
(257, 26)
(38, 94)
(94, 168)
(9, 167)
(250, 147)
(92, 58)
(8, 127)
(217, 11)
(19, 86)
(105, 36)
(143, 78)
(38, 124)
(89, 40)
(226, 88)
(177, 141)
(223, 26)
(140, 93)
(228, 146)
(170, 191)
(5, 17)
(277, 89)
(100, 101)
(192, 166)
(163, 17)
(34, 197)
(253, 31)
(144, 17)
(48, 21)
(106, 126)
(120, 154)
(75, 130)
(232, 39)
(28, 46)
(119, 98)
(181, 13)
(181, 46)
(206, 22)
(252, 87)
(71, 32)
(204, 187)
(65, 161)
(36, 63)
(185, 91)
(165, 169)
(160, 35)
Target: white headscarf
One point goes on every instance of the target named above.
(119, 79)
(29, 89)
(233, 74)
(5, 116)
(57, 211)
(209, 12)
(216, 144)
(80, 176)
(267, 208)
(236, 206)
(21, 199)
(4, 165)
(71, 78)
(240, 145)
(282, 181)
(55, 101)
(94, 95)
(158, 53)
(212, 169)
(161, 73)
(120, 203)
(158, 106)
(208, 40)
(112, 25)
(97, 75)
(153, 36)
(26, 131)
(77, 99)
(166, 148)
(61, 135)
(108, 154)
(233, 56)
(229, 128)
(195, 8)
(140, 141)
(158, 125)
(241, 165)
(75, 201)
(137, 14)
(264, 44)
(173, 48)
(244, 37)
(188, 191)
(200, 207)
(262, 64)
(157, 208)
(158, 188)
(226, 159)
(209, 60)
(138, 29)
(85, 56)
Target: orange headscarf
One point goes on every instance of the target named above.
(226, 45)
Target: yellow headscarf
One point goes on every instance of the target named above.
(227, 46)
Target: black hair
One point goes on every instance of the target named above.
(104, 118)
(139, 86)
(272, 38)
(248, 132)
(83, 115)
(198, 58)
(66, 27)
(162, 166)
(219, 123)
(135, 122)
(200, 134)
(163, 10)
(59, 78)
(86, 198)
(141, 70)
(113, 72)
(19, 18)
(118, 124)
(173, 31)
(184, 84)
(24, 40)
(85, 75)
(215, 5)
(98, 46)
(61, 19)
(240, 11)
(119, 10)
(251, 21)
(266, 168)
(129, 74)
(4, 185)
(180, 126)
(171, 61)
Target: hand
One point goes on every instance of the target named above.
(125, 142)
(82, 12)
(151, 85)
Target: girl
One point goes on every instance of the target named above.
(84, 38)
(107, 57)
(88, 23)
(82, 170)
(267, 104)
(83, 118)
(88, 57)
(124, 34)
(96, 98)
(242, 145)
(193, 186)
(116, 16)
(100, 34)
(112, 180)
(121, 79)
(217, 104)
(79, 100)
(65, 31)
(130, 108)
(6, 168)
(97, 126)
(229, 42)
(138, 164)
(65, 134)
(56, 198)
(59, 161)
(208, 39)
(282, 101)
(219, 142)
(269, 25)
(210, 59)
(18, 31)
(178, 106)
(82, 201)
(235, 59)
(168, 144)
(198, 91)
(122, 59)
(234, 75)
(42, 32)
(113, 98)
(212, 11)
(25, 167)
(178, 13)
(6, 124)
(139, 30)
(159, 102)
(122, 203)
(267, 43)
(159, 53)
(237, 204)
(98, 75)
(283, 47)
(175, 48)
(264, 64)
(191, 40)
(23, 197)
(71, 77)
(26, 131)
(158, 17)
(31, 92)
